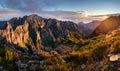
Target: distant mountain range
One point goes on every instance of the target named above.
(88, 28)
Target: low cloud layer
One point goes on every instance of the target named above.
(66, 15)
(8, 12)
(60, 15)
(102, 17)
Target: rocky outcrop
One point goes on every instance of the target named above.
(34, 32)
(113, 34)
(63, 49)
(114, 57)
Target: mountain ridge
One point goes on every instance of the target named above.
(107, 25)
(35, 31)
(50, 44)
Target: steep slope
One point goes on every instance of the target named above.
(107, 25)
(98, 53)
(89, 27)
(34, 32)
(92, 25)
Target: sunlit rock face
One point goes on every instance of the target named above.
(107, 25)
(114, 57)
(35, 32)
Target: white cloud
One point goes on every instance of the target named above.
(6, 14)
(74, 16)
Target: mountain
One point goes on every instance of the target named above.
(107, 25)
(88, 28)
(35, 32)
(33, 43)
(92, 25)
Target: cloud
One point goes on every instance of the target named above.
(75, 16)
(6, 14)
(99, 17)
(21, 7)
(102, 17)
(26, 5)
(60, 15)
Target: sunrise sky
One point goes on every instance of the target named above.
(74, 10)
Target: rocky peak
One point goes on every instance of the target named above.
(33, 32)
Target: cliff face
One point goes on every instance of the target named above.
(35, 32)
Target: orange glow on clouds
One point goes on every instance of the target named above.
(105, 17)
(99, 17)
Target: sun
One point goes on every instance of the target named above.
(104, 17)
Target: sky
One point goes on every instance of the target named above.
(73, 10)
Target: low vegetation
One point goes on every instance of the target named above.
(87, 55)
